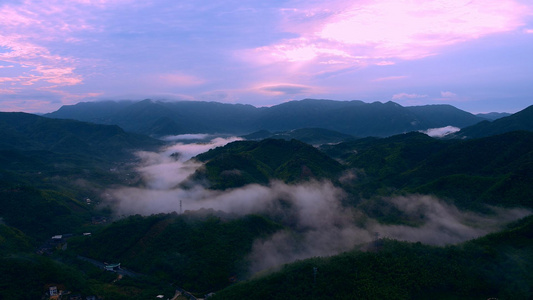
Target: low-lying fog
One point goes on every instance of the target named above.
(320, 224)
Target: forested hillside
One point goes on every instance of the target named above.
(246, 162)
(493, 170)
(522, 120)
(275, 203)
(495, 266)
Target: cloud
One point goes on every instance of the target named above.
(444, 223)
(285, 89)
(39, 100)
(27, 29)
(359, 33)
(179, 79)
(448, 94)
(316, 220)
(7, 91)
(181, 137)
(36, 37)
(528, 30)
(407, 96)
(440, 132)
(28, 104)
(36, 65)
(133, 48)
(388, 78)
(385, 63)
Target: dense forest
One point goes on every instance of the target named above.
(406, 216)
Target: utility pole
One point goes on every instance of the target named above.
(181, 211)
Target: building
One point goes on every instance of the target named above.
(112, 267)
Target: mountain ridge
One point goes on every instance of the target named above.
(522, 120)
(354, 117)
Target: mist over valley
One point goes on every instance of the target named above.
(266, 149)
(214, 212)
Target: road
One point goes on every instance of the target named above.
(122, 271)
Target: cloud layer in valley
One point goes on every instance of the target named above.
(442, 131)
(320, 225)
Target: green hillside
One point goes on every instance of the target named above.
(312, 136)
(23, 131)
(200, 254)
(48, 168)
(245, 162)
(496, 170)
(42, 214)
(522, 120)
(496, 266)
(13, 240)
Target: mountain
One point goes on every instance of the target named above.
(496, 169)
(355, 118)
(522, 120)
(493, 115)
(52, 175)
(21, 131)
(96, 112)
(165, 118)
(312, 136)
(243, 162)
(49, 167)
(436, 115)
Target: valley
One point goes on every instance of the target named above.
(296, 209)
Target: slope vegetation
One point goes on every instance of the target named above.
(496, 170)
(522, 120)
(241, 163)
(495, 266)
(199, 253)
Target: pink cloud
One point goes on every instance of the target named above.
(448, 94)
(180, 79)
(6, 79)
(385, 63)
(27, 28)
(407, 96)
(299, 50)
(359, 33)
(7, 91)
(389, 78)
(285, 89)
(30, 106)
(37, 64)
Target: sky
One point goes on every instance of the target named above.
(476, 55)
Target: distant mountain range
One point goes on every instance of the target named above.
(493, 115)
(354, 118)
(522, 120)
